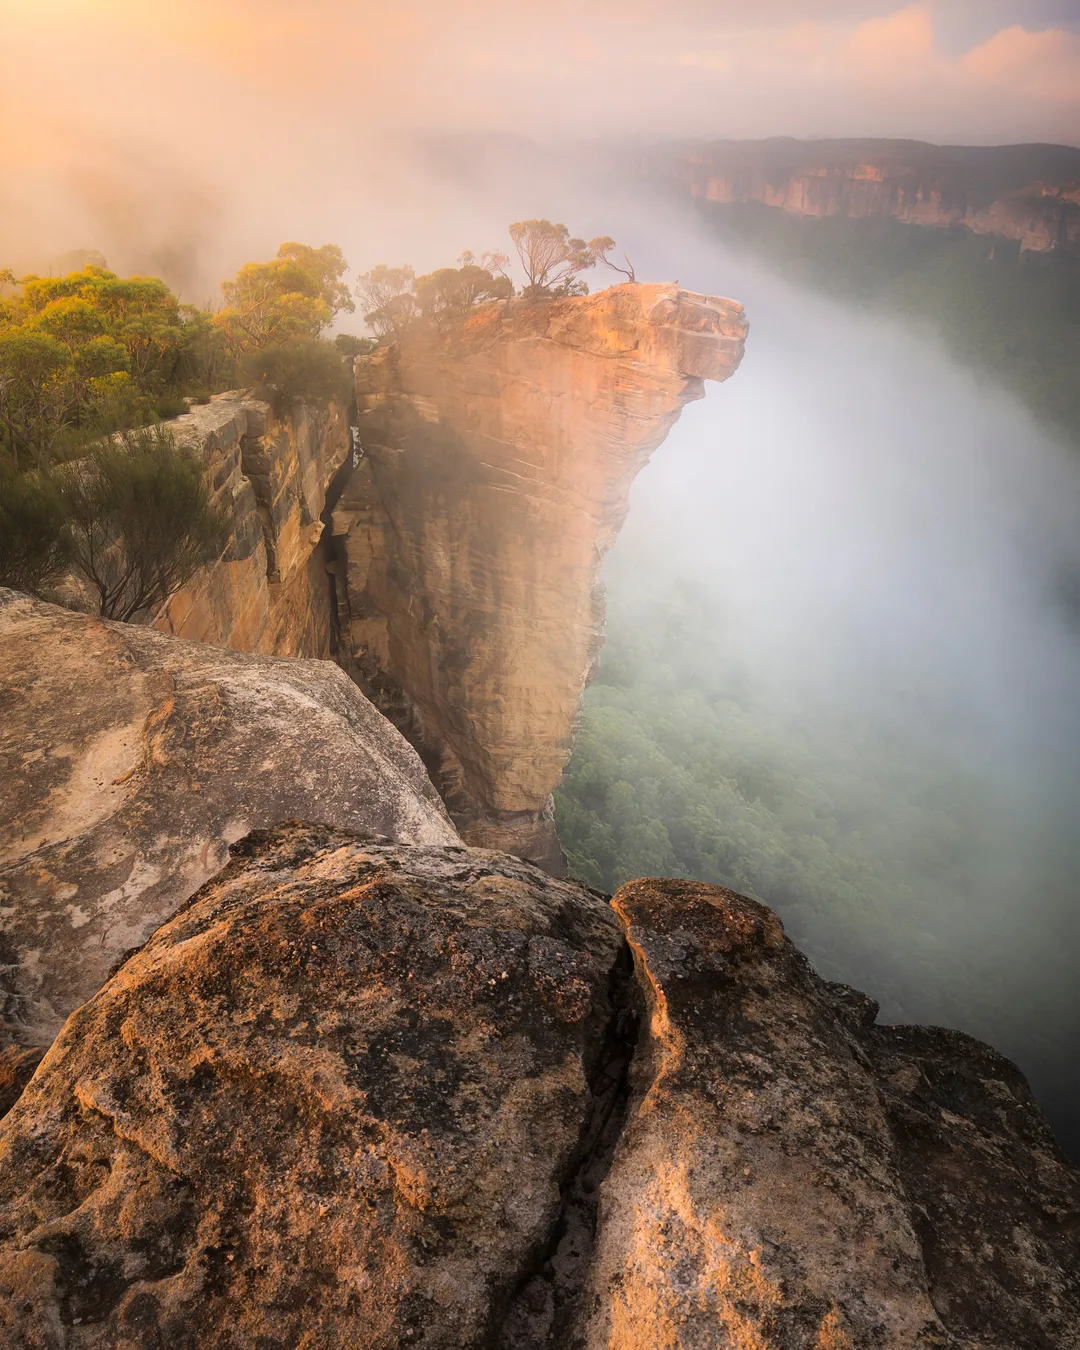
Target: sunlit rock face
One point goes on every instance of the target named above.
(269, 591)
(329, 1104)
(130, 760)
(496, 473)
(792, 1176)
(1029, 194)
(370, 1096)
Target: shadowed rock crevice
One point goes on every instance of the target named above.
(545, 1310)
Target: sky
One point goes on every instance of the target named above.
(176, 126)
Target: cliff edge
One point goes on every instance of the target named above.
(365, 1095)
(495, 476)
(1029, 194)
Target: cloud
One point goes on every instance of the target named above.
(172, 128)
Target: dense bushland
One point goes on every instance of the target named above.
(91, 486)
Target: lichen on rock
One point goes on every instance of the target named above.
(329, 1104)
(361, 1094)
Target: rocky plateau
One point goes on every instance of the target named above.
(1024, 193)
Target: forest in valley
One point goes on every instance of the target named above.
(892, 862)
(1012, 315)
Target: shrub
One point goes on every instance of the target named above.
(35, 542)
(310, 372)
(141, 521)
(351, 346)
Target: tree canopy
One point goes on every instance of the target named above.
(293, 297)
(397, 302)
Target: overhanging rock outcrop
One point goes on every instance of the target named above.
(128, 763)
(365, 1096)
(496, 472)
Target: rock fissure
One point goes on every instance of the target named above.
(545, 1311)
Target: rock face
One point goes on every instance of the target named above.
(793, 1176)
(329, 1104)
(1026, 193)
(269, 591)
(128, 763)
(364, 1095)
(495, 477)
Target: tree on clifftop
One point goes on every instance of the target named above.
(552, 260)
(447, 295)
(292, 297)
(387, 295)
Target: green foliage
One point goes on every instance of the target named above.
(87, 352)
(1015, 316)
(387, 296)
(351, 346)
(397, 302)
(328, 267)
(293, 297)
(37, 394)
(141, 521)
(447, 296)
(35, 542)
(893, 864)
(311, 372)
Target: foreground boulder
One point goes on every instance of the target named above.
(364, 1095)
(130, 760)
(793, 1176)
(330, 1103)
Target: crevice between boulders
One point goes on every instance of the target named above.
(545, 1310)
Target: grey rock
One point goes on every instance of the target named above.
(130, 760)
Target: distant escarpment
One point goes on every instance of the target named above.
(365, 1095)
(1026, 193)
(495, 476)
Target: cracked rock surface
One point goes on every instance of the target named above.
(359, 1094)
(791, 1177)
(330, 1104)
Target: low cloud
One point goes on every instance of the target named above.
(209, 129)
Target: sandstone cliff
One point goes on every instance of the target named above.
(129, 761)
(269, 591)
(371, 1096)
(1026, 193)
(495, 476)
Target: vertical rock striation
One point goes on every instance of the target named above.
(496, 472)
(268, 592)
(1026, 193)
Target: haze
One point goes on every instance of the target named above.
(884, 532)
(189, 134)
